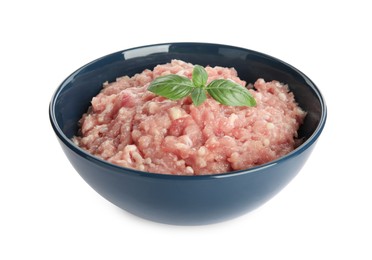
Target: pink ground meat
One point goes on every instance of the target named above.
(130, 126)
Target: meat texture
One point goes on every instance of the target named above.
(130, 126)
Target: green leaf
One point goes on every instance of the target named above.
(171, 86)
(198, 96)
(199, 76)
(223, 91)
(230, 93)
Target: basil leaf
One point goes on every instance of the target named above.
(198, 96)
(199, 76)
(171, 86)
(223, 91)
(230, 93)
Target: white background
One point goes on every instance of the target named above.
(49, 212)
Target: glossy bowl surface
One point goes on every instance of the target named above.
(185, 200)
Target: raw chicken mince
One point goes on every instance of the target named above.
(130, 126)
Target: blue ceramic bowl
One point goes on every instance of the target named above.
(185, 200)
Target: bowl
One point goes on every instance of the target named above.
(184, 200)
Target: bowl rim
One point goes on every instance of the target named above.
(134, 172)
